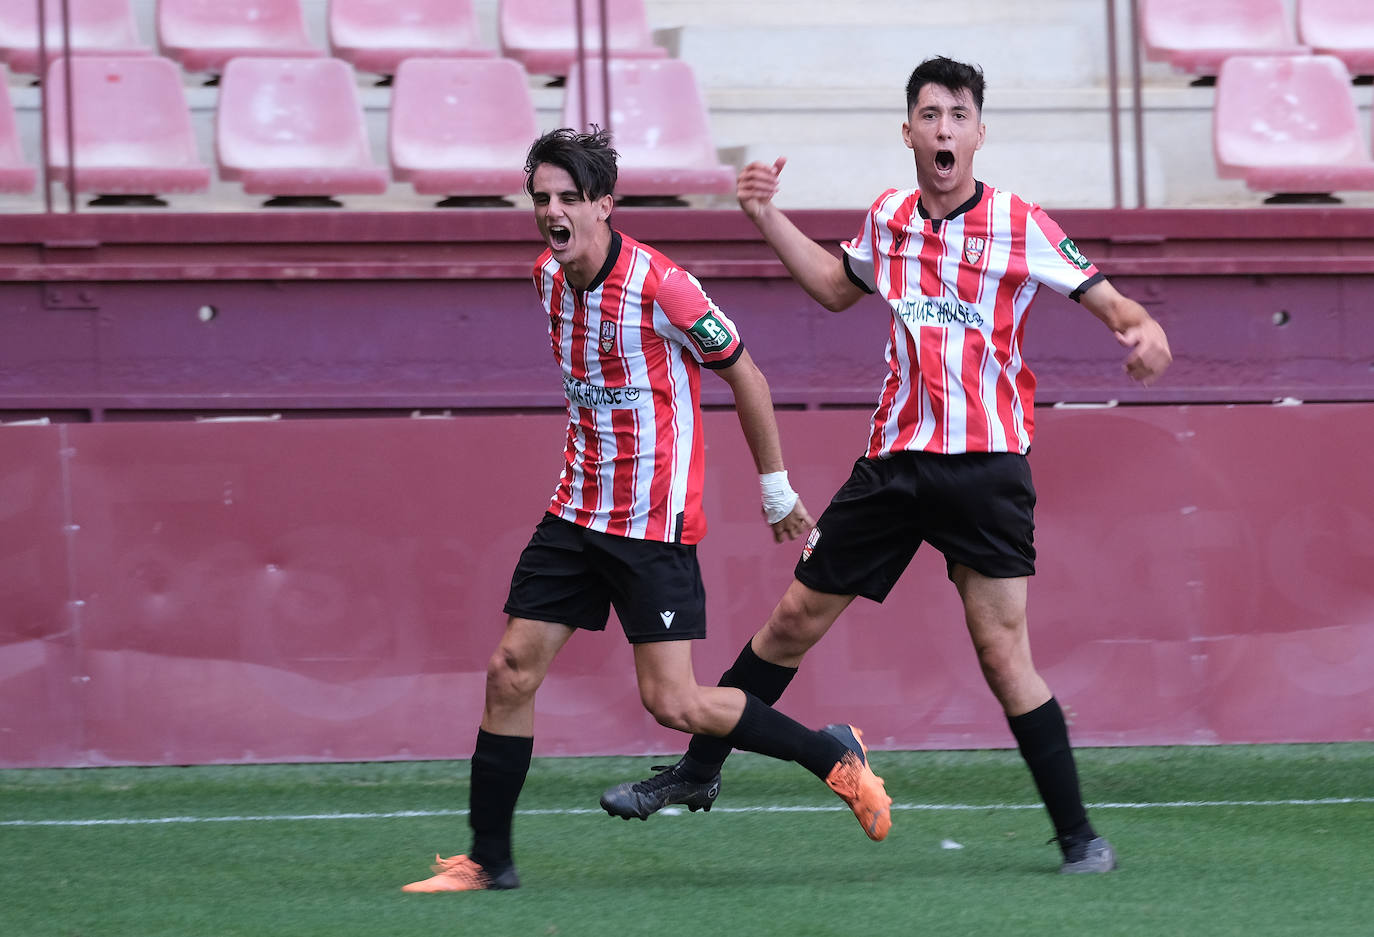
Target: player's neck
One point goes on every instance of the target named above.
(582, 270)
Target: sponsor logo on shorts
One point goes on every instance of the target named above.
(973, 249)
(811, 542)
(1070, 250)
(582, 394)
(710, 334)
(667, 618)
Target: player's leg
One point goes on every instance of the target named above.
(995, 612)
(860, 546)
(767, 664)
(835, 754)
(551, 594)
(501, 758)
(980, 514)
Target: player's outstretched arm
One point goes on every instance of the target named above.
(1134, 328)
(782, 508)
(815, 269)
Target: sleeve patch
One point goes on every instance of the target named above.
(710, 335)
(1070, 250)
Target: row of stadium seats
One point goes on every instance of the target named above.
(373, 35)
(294, 129)
(1198, 37)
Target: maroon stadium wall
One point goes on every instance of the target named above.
(179, 584)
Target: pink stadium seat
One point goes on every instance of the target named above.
(131, 128)
(294, 127)
(205, 34)
(542, 34)
(16, 175)
(98, 27)
(1343, 28)
(659, 125)
(1288, 124)
(1196, 37)
(377, 35)
(461, 127)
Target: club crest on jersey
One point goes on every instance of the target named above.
(973, 249)
(607, 337)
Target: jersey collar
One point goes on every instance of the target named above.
(967, 206)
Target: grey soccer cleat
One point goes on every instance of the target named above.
(643, 798)
(1088, 857)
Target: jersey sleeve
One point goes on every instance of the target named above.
(1054, 259)
(696, 322)
(858, 251)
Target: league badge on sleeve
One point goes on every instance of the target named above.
(1070, 250)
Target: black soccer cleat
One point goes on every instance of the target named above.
(1087, 856)
(644, 798)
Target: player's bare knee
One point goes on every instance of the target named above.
(670, 713)
(791, 630)
(672, 709)
(506, 678)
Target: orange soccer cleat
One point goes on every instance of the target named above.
(459, 873)
(856, 783)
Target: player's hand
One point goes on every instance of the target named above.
(1150, 353)
(757, 184)
(794, 525)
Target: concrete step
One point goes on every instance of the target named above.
(1026, 53)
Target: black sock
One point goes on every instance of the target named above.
(764, 730)
(1043, 737)
(754, 675)
(499, 766)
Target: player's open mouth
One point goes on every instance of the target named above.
(559, 237)
(944, 161)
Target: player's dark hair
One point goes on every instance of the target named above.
(587, 157)
(949, 74)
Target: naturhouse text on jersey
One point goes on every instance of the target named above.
(582, 394)
(938, 311)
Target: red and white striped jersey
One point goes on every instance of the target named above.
(631, 348)
(960, 290)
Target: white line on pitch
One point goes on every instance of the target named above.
(580, 811)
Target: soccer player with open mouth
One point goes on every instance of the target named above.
(631, 332)
(958, 263)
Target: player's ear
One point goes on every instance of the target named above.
(604, 206)
(982, 135)
(906, 135)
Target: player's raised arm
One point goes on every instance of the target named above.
(1133, 327)
(818, 271)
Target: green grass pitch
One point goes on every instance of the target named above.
(1248, 841)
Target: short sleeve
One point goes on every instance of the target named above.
(858, 252)
(706, 331)
(1054, 259)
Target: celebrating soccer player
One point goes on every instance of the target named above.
(630, 330)
(959, 263)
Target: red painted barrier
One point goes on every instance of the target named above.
(303, 590)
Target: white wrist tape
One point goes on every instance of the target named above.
(778, 497)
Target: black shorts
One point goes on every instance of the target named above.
(571, 575)
(978, 509)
